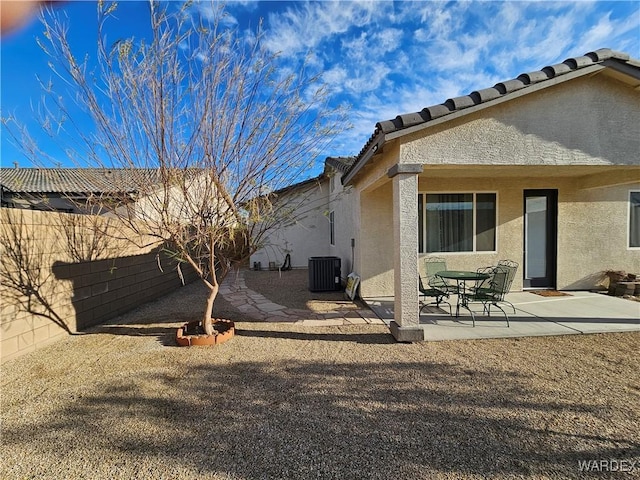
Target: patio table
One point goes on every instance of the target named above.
(462, 277)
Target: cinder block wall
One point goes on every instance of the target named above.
(80, 272)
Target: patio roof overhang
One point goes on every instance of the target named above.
(586, 176)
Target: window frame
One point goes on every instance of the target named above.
(422, 218)
(629, 246)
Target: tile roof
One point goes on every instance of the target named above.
(76, 180)
(500, 90)
(342, 164)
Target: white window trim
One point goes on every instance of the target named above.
(628, 220)
(461, 192)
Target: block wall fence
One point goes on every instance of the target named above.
(80, 271)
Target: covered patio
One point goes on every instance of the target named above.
(575, 313)
(545, 175)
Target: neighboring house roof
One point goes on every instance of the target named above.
(341, 164)
(76, 180)
(298, 186)
(524, 83)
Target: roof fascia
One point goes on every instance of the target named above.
(627, 68)
(374, 148)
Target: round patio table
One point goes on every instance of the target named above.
(462, 277)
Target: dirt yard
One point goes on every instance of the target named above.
(283, 401)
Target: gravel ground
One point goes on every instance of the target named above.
(280, 401)
(290, 289)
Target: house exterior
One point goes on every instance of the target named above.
(71, 190)
(543, 169)
(321, 223)
(148, 194)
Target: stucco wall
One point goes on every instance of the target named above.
(309, 235)
(343, 204)
(588, 121)
(306, 235)
(376, 241)
(81, 280)
(564, 137)
(592, 230)
(592, 235)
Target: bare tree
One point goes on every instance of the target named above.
(207, 114)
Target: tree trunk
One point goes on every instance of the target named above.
(207, 321)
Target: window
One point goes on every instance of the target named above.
(634, 219)
(457, 222)
(332, 227)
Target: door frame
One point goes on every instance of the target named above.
(549, 280)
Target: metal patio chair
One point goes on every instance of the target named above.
(434, 292)
(512, 268)
(490, 291)
(433, 265)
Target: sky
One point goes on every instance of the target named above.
(381, 58)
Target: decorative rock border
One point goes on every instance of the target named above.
(185, 340)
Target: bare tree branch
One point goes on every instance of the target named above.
(210, 111)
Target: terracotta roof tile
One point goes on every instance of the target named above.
(533, 77)
(342, 164)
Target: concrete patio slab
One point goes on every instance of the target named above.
(576, 313)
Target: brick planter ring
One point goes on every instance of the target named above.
(185, 340)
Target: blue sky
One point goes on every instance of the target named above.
(382, 58)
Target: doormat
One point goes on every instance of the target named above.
(551, 293)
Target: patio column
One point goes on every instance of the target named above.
(406, 324)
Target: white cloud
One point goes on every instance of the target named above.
(389, 58)
(599, 34)
(355, 48)
(437, 19)
(388, 40)
(335, 78)
(214, 11)
(607, 32)
(305, 25)
(367, 77)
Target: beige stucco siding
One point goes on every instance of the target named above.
(375, 252)
(593, 235)
(585, 122)
(581, 138)
(592, 230)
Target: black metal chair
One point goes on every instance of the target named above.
(433, 265)
(512, 268)
(490, 291)
(434, 292)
